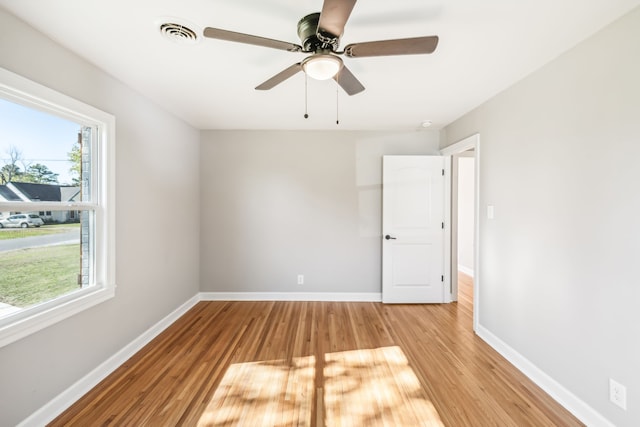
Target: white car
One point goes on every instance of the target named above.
(22, 221)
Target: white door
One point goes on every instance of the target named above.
(412, 229)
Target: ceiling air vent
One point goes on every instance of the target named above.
(178, 33)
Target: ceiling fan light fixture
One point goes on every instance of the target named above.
(322, 66)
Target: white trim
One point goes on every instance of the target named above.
(471, 142)
(46, 206)
(34, 95)
(64, 400)
(564, 397)
(448, 295)
(466, 270)
(292, 296)
(466, 144)
(25, 323)
(22, 90)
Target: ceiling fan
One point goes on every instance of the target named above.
(320, 35)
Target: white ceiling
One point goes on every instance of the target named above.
(485, 46)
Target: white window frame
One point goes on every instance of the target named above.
(18, 89)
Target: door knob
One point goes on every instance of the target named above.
(389, 237)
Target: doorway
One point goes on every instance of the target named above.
(462, 235)
(464, 167)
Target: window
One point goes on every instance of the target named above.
(57, 172)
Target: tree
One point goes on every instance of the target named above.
(36, 173)
(75, 157)
(10, 171)
(39, 174)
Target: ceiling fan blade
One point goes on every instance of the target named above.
(348, 81)
(334, 16)
(280, 77)
(232, 36)
(410, 46)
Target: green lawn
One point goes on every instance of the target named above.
(30, 276)
(17, 233)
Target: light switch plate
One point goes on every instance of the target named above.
(490, 212)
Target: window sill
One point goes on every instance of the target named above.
(37, 318)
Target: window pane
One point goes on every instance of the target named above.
(44, 254)
(38, 147)
(40, 264)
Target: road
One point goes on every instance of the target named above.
(67, 237)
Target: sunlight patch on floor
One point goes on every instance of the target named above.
(273, 393)
(374, 387)
(361, 388)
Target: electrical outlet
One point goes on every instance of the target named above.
(618, 394)
(300, 279)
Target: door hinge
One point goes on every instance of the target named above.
(442, 172)
(442, 278)
(443, 225)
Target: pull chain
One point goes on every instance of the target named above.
(337, 105)
(306, 78)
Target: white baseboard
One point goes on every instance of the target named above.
(291, 296)
(64, 400)
(466, 270)
(564, 397)
(60, 403)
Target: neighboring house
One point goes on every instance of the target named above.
(30, 192)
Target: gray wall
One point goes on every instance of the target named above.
(559, 161)
(157, 261)
(278, 204)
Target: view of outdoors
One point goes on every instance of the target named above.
(41, 257)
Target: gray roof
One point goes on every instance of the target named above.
(46, 192)
(7, 194)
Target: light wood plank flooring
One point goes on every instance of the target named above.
(319, 364)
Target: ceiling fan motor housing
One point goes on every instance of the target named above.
(311, 40)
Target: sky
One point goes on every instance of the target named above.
(41, 137)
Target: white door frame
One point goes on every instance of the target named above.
(470, 143)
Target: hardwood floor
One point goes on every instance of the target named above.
(317, 364)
